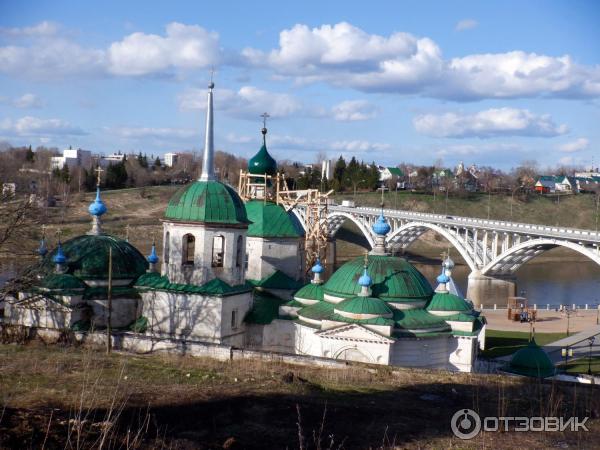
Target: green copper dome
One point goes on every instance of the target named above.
(363, 306)
(87, 258)
(63, 281)
(411, 320)
(531, 361)
(311, 291)
(270, 220)
(262, 163)
(444, 301)
(394, 280)
(207, 201)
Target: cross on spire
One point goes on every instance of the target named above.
(58, 233)
(265, 116)
(99, 172)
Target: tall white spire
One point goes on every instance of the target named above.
(208, 170)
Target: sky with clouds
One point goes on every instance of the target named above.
(491, 83)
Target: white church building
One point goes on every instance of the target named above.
(232, 274)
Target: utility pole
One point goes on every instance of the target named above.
(109, 296)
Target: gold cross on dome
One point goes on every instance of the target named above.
(98, 171)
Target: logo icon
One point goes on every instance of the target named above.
(465, 424)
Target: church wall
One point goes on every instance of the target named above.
(233, 310)
(202, 271)
(463, 354)
(38, 315)
(426, 352)
(306, 342)
(123, 311)
(278, 336)
(361, 351)
(265, 256)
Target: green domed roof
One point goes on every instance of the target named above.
(363, 305)
(62, 281)
(311, 291)
(87, 258)
(418, 319)
(271, 220)
(262, 163)
(531, 361)
(444, 301)
(394, 280)
(207, 201)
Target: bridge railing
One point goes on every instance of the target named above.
(517, 227)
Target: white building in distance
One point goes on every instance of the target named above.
(171, 159)
(72, 158)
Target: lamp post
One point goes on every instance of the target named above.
(591, 341)
(565, 353)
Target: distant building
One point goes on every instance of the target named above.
(72, 158)
(326, 169)
(171, 159)
(548, 184)
(115, 158)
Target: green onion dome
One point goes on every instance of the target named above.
(270, 220)
(309, 294)
(446, 302)
(63, 282)
(363, 308)
(531, 361)
(393, 280)
(262, 163)
(415, 321)
(87, 258)
(209, 202)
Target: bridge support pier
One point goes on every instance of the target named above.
(330, 256)
(486, 291)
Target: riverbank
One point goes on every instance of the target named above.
(76, 397)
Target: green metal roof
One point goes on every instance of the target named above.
(444, 301)
(277, 280)
(364, 305)
(531, 361)
(374, 321)
(265, 308)
(396, 171)
(318, 311)
(271, 220)
(63, 281)
(311, 291)
(216, 286)
(394, 280)
(87, 258)
(418, 319)
(262, 163)
(207, 201)
(116, 292)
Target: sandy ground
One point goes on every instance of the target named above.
(547, 321)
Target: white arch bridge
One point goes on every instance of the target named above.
(491, 248)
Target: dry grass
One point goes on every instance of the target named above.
(80, 398)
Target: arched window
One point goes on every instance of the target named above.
(167, 247)
(189, 247)
(239, 252)
(217, 251)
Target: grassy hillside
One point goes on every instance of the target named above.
(577, 211)
(66, 397)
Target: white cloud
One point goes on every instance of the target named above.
(575, 146)
(354, 110)
(183, 46)
(473, 150)
(488, 123)
(33, 126)
(466, 24)
(566, 160)
(248, 102)
(42, 29)
(28, 101)
(403, 63)
(359, 146)
(151, 132)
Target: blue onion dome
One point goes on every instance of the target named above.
(381, 227)
(443, 278)
(60, 257)
(153, 257)
(43, 248)
(318, 267)
(97, 207)
(365, 279)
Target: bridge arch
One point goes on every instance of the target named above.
(519, 254)
(404, 229)
(300, 218)
(364, 229)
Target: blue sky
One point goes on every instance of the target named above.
(490, 83)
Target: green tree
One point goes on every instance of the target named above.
(30, 156)
(116, 175)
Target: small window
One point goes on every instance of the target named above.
(218, 250)
(246, 262)
(239, 252)
(189, 248)
(234, 319)
(167, 247)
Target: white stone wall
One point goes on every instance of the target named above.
(266, 255)
(202, 271)
(422, 352)
(123, 311)
(464, 353)
(278, 336)
(206, 318)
